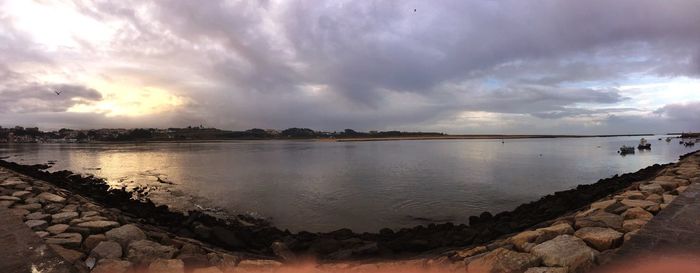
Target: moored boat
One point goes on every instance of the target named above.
(626, 150)
(644, 145)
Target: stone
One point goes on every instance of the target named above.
(125, 234)
(629, 235)
(36, 224)
(637, 203)
(50, 197)
(38, 216)
(19, 212)
(41, 234)
(654, 209)
(637, 213)
(525, 240)
(112, 266)
(107, 249)
(166, 266)
(89, 214)
(600, 238)
(98, 226)
(546, 270)
(92, 240)
(211, 269)
(71, 256)
(602, 205)
(70, 240)
(281, 250)
(145, 251)
(56, 229)
(668, 198)
(29, 207)
(556, 230)
(6, 203)
(503, 260)
(63, 217)
(654, 198)
(461, 254)
(22, 194)
(633, 224)
(566, 251)
(681, 188)
(520, 240)
(634, 195)
(651, 188)
(667, 185)
(600, 219)
(9, 198)
(53, 208)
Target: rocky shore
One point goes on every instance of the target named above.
(99, 229)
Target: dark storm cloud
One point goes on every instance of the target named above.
(42, 98)
(379, 64)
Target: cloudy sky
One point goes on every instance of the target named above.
(480, 66)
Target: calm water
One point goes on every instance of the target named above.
(322, 186)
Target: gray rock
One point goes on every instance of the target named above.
(38, 216)
(22, 194)
(98, 226)
(280, 249)
(566, 251)
(125, 234)
(71, 256)
(107, 250)
(600, 219)
(36, 224)
(70, 240)
(89, 214)
(145, 251)
(63, 217)
(166, 266)
(92, 240)
(503, 260)
(50, 197)
(112, 266)
(56, 229)
(600, 238)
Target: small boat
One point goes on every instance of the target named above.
(626, 150)
(644, 145)
(668, 139)
(689, 144)
(659, 138)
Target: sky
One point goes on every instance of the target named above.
(479, 66)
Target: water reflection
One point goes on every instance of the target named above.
(365, 185)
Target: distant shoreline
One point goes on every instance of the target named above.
(450, 137)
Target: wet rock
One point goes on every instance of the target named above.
(281, 250)
(145, 251)
(633, 225)
(365, 249)
(227, 237)
(112, 266)
(600, 238)
(92, 240)
(637, 203)
(29, 207)
(503, 260)
(546, 270)
(38, 216)
(107, 249)
(637, 213)
(222, 260)
(71, 256)
(56, 229)
(98, 226)
(166, 266)
(63, 217)
(37, 224)
(70, 240)
(50, 197)
(125, 234)
(600, 219)
(566, 251)
(22, 194)
(202, 231)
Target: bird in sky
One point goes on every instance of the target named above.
(58, 92)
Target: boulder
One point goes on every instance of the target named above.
(125, 234)
(71, 256)
(546, 270)
(667, 185)
(634, 195)
(637, 203)
(63, 217)
(50, 197)
(145, 251)
(651, 188)
(38, 216)
(633, 224)
(503, 260)
(211, 269)
(22, 194)
(56, 229)
(600, 238)
(37, 224)
(602, 205)
(600, 219)
(461, 254)
(654, 198)
(637, 213)
(107, 250)
(70, 240)
(98, 226)
(566, 251)
(166, 266)
(92, 241)
(112, 266)
(668, 198)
